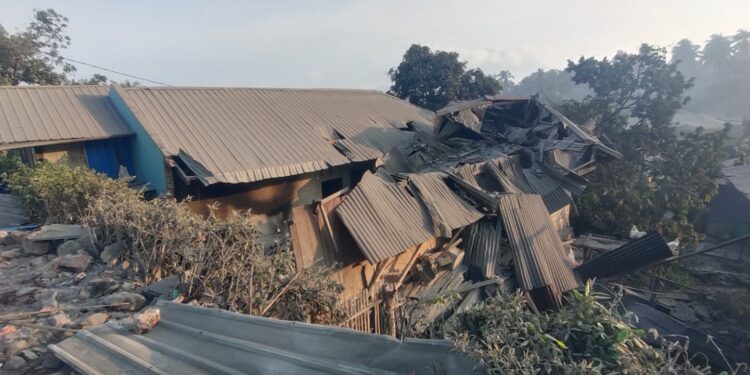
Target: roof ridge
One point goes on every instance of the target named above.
(238, 88)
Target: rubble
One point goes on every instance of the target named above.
(69, 247)
(125, 301)
(77, 263)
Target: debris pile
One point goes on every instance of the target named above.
(481, 203)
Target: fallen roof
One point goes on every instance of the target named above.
(384, 219)
(739, 177)
(236, 135)
(540, 260)
(39, 115)
(632, 256)
(197, 340)
(447, 210)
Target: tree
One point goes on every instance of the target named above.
(718, 51)
(33, 56)
(665, 179)
(554, 86)
(434, 79)
(741, 44)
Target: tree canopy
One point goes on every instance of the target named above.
(432, 79)
(666, 178)
(33, 56)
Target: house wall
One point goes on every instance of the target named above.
(70, 154)
(148, 160)
(561, 222)
(266, 197)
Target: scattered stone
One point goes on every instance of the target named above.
(79, 276)
(29, 355)
(14, 363)
(146, 320)
(7, 330)
(162, 288)
(54, 232)
(15, 345)
(76, 263)
(129, 301)
(103, 286)
(69, 247)
(84, 294)
(58, 320)
(51, 266)
(48, 299)
(12, 252)
(35, 247)
(87, 244)
(111, 252)
(95, 319)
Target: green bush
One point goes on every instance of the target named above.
(584, 337)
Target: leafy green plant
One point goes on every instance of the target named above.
(584, 337)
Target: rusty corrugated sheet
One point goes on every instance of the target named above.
(237, 135)
(539, 258)
(447, 210)
(38, 115)
(383, 218)
(481, 242)
(629, 257)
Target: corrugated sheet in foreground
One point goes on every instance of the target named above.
(246, 134)
(197, 340)
(539, 258)
(384, 219)
(629, 257)
(37, 115)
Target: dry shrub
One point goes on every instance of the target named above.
(585, 337)
(218, 260)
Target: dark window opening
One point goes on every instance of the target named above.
(332, 186)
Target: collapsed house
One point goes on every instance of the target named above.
(482, 203)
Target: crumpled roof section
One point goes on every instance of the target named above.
(384, 219)
(38, 115)
(236, 135)
(447, 210)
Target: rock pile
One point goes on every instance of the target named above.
(55, 282)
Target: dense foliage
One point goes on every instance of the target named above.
(432, 79)
(584, 337)
(217, 259)
(666, 178)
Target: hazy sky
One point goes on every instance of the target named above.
(353, 43)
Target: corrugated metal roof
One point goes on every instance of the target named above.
(38, 115)
(515, 179)
(739, 177)
(539, 257)
(629, 257)
(384, 219)
(447, 210)
(481, 242)
(197, 340)
(250, 134)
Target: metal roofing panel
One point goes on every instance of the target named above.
(629, 257)
(516, 179)
(739, 177)
(37, 115)
(248, 134)
(482, 243)
(539, 258)
(197, 340)
(384, 219)
(448, 210)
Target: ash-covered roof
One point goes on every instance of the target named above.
(39, 115)
(236, 135)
